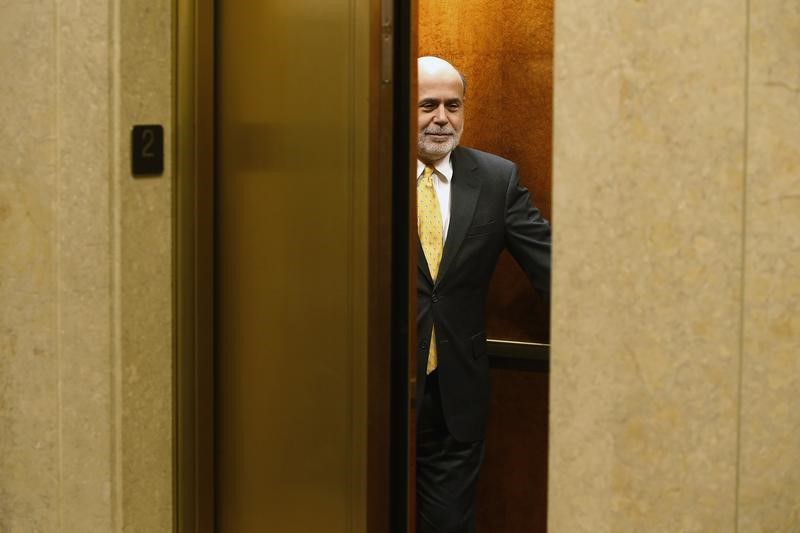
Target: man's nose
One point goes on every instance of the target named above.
(441, 115)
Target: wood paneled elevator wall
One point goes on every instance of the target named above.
(505, 50)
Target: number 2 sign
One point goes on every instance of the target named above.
(147, 151)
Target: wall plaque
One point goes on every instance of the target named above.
(147, 152)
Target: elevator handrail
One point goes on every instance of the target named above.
(518, 355)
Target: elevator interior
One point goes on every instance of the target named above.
(505, 50)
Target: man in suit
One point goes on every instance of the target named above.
(470, 206)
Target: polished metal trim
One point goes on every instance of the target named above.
(193, 63)
(387, 41)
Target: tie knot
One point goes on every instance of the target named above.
(427, 176)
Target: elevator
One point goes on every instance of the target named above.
(297, 399)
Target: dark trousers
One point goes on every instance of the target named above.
(447, 470)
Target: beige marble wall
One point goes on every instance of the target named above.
(676, 299)
(144, 78)
(649, 136)
(769, 487)
(29, 358)
(85, 269)
(83, 235)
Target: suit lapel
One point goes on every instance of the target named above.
(464, 191)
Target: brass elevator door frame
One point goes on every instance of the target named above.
(194, 266)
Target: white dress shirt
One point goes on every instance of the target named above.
(441, 184)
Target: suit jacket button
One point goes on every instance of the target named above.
(435, 299)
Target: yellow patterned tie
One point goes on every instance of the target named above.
(429, 226)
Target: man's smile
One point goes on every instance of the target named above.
(439, 136)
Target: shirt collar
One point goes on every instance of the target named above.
(443, 167)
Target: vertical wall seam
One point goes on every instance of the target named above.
(743, 281)
(57, 257)
(115, 343)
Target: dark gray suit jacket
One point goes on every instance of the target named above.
(489, 211)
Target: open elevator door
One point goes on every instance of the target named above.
(505, 49)
(294, 314)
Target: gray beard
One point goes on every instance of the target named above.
(426, 147)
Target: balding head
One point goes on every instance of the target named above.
(440, 108)
(437, 68)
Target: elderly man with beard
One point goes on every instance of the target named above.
(470, 206)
